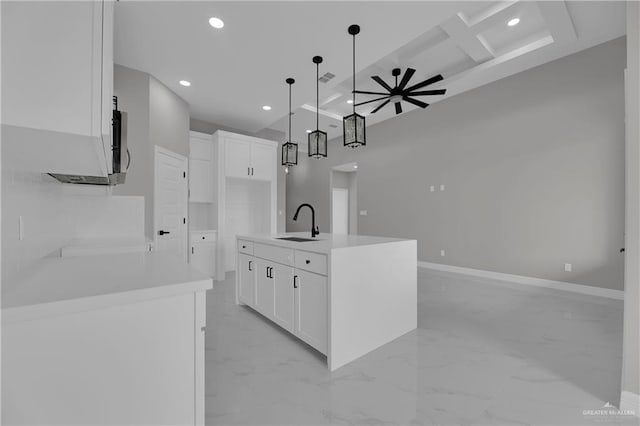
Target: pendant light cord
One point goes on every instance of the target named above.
(354, 74)
(289, 112)
(317, 98)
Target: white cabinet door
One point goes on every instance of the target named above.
(247, 279)
(200, 181)
(263, 161)
(237, 158)
(311, 309)
(200, 148)
(283, 306)
(264, 288)
(203, 258)
(108, 11)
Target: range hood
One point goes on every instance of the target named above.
(121, 156)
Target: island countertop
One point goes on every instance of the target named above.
(323, 243)
(70, 283)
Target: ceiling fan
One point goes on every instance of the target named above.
(401, 92)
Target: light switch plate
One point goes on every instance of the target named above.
(432, 188)
(442, 187)
(567, 267)
(442, 253)
(363, 212)
(20, 228)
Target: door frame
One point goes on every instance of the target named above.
(160, 150)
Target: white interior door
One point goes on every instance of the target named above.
(340, 214)
(170, 202)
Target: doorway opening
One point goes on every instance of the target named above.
(343, 198)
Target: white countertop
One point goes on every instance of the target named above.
(72, 282)
(324, 244)
(108, 245)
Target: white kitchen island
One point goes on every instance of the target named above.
(344, 295)
(109, 339)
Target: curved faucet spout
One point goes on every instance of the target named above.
(314, 229)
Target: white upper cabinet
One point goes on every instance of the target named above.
(237, 158)
(57, 76)
(251, 159)
(201, 168)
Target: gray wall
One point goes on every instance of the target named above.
(270, 134)
(533, 168)
(631, 338)
(155, 116)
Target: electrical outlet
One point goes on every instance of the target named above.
(442, 187)
(432, 188)
(442, 253)
(567, 267)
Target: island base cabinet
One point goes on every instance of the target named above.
(311, 306)
(246, 279)
(283, 301)
(136, 363)
(264, 289)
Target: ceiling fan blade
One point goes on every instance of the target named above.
(373, 100)
(364, 92)
(398, 108)
(428, 92)
(382, 83)
(427, 82)
(380, 106)
(415, 102)
(406, 77)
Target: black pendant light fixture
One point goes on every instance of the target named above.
(317, 138)
(353, 125)
(289, 149)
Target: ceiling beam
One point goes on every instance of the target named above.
(477, 49)
(558, 19)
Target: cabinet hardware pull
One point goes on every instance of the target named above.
(162, 232)
(244, 246)
(192, 250)
(203, 328)
(248, 171)
(252, 171)
(250, 262)
(268, 276)
(308, 261)
(295, 284)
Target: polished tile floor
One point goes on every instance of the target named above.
(485, 352)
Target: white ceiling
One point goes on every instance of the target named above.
(236, 70)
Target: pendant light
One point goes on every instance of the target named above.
(289, 149)
(353, 126)
(317, 138)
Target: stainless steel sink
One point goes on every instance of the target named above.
(296, 239)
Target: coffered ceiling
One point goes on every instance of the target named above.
(236, 70)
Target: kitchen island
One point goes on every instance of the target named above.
(108, 339)
(344, 295)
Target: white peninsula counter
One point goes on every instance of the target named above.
(344, 295)
(109, 339)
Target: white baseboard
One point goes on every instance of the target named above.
(521, 279)
(630, 401)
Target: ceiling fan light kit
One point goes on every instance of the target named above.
(289, 149)
(317, 138)
(354, 132)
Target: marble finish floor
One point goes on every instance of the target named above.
(485, 352)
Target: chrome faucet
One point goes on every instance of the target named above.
(314, 229)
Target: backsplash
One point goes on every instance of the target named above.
(54, 214)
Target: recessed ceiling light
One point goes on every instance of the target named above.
(513, 22)
(355, 166)
(185, 83)
(349, 101)
(266, 108)
(216, 22)
(308, 131)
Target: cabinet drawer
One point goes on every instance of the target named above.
(203, 236)
(245, 246)
(200, 148)
(313, 262)
(275, 254)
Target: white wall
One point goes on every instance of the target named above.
(533, 167)
(55, 214)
